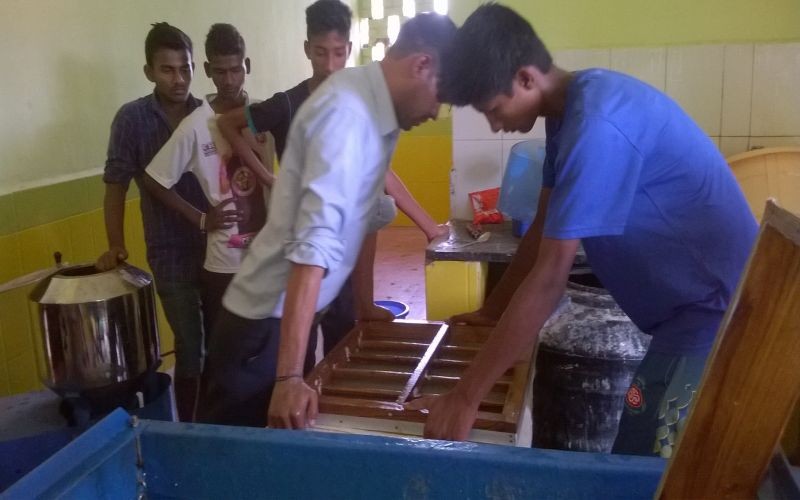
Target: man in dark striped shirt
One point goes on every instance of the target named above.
(174, 247)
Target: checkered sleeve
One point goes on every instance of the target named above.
(122, 163)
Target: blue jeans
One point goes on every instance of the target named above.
(182, 305)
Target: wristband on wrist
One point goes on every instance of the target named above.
(203, 222)
(284, 378)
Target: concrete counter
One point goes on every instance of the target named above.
(457, 279)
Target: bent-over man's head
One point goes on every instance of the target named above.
(498, 65)
(412, 67)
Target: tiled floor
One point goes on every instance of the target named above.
(399, 271)
(400, 268)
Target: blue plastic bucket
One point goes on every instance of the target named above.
(520, 227)
(399, 309)
(522, 182)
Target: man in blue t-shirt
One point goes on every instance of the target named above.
(627, 173)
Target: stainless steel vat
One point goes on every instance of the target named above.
(98, 329)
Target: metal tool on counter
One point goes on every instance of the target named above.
(476, 231)
(481, 239)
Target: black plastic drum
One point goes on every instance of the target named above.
(588, 352)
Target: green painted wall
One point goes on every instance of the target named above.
(69, 65)
(565, 24)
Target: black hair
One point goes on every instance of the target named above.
(428, 32)
(224, 40)
(324, 16)
(165, 36)
(488, 50)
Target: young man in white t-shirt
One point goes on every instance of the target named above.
(237, 195)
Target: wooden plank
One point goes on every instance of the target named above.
(752, 379)
(516, 392)
(399, 428)
(390, 410)
(353, 370)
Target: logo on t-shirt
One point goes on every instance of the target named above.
(634, 398)
(249, 199)
(209, 149)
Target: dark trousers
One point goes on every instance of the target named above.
(214, 286)
(340, 318)
(657, 403)
(240, 372)
(182, 302)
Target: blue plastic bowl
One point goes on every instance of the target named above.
(399, 309)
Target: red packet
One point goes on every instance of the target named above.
(484, 206)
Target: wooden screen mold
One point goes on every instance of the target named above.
(365, 381)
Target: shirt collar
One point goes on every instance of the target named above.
(387, 118)
(210, 97)
(191, 102)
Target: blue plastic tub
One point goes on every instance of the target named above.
(522, 182)
(118, 460)
(173, 460)
(399, 309)
(520, 227)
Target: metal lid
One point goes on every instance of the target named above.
(586, 324)
(83, 283)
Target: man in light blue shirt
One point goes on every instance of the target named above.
(332, 174)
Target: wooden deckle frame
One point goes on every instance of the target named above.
(365, 381)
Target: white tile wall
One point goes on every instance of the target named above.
(730, 146)
(646, 64)
(737, 90)
(477, 167)
(742, 95)
(581, 59)
(773, 142)
(694, 79)
(468, 124)
(776, 99)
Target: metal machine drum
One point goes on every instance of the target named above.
(587, 355)
(98, 329)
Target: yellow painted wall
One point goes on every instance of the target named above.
(423, 159)
(80, 238)
(568, 24)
